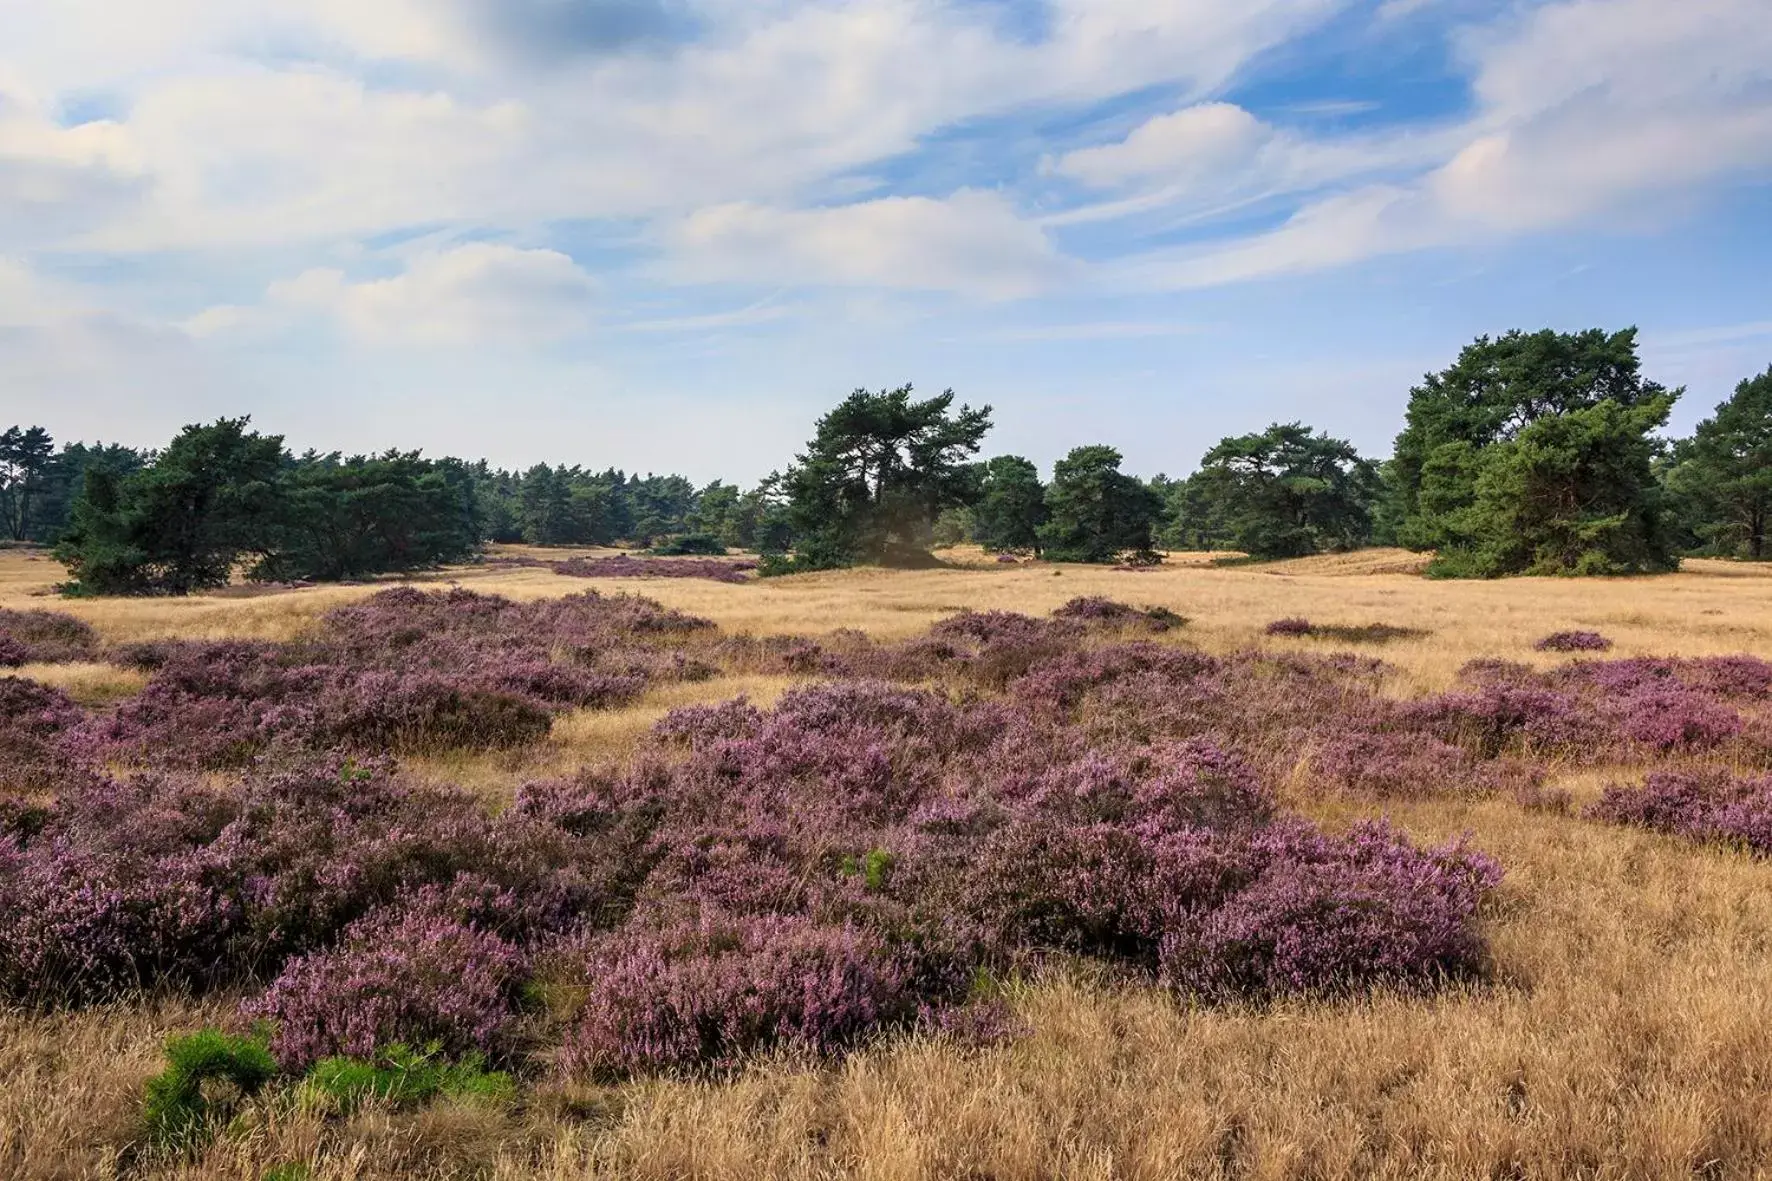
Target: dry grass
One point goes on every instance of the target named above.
(1712, 607)
(1625, 1035)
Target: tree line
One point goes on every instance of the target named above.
(1533, 453)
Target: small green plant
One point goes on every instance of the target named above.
(206, 1073)
(400, 1076)
(872, 867)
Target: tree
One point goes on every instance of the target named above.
(1547, 416)
(1492, 392)
(181, 524)
(347, 518)
(1722, 476)
(1012, 506)
(26, 460)
(1193, 515)
(1290, 491)
(1572, 493)
(1095, 511)
(879, 469)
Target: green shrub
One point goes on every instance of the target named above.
(400, 1076)
(690, 545)
(178, 1110)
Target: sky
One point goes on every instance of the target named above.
(665, 235)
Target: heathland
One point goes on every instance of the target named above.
(1555, 962)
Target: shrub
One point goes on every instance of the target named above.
(44, 637)
(1289, 627)
(1097, 611)
(414, 974)
(1702, 806)
(35, 724)
(1326, 915)
(716, 992)
(179, 1108)
(1367, 633)
(1574, 641)
(691, 544)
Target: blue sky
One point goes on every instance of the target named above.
(666, 234)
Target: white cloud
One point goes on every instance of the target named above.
(479, 293)
(769, 100)
(972, 243)
(1589, 109)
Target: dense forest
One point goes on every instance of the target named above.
(1533, 453)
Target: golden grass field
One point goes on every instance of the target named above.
(1626, 1033)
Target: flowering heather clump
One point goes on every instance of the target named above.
(1327, 914)
(1288, 627)
(1703, 806)
(1574, 641)
(35, 721)
(1393, 765)
(1674, 718)
(1096, 611)
(714, 992)
(1499, 718)
(417, 974)
(623, 566)
(44, 637)
(402, 670)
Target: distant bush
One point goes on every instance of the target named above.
(44, 637)
(1364, 633)
(1095, 610)
(1701, 806)
(1574, 641)
(626, 567)
(690, 544)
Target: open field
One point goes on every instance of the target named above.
(1623, 1028)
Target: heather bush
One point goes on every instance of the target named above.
(403, 670)
(1709, 805)
(44, 637)
(1574, 641)
(1289, 627)
(35, 723)
(1328, 914)
(415, 974)
(1673, 719)
(718, 991)
(1096, 611)
(1394, 765)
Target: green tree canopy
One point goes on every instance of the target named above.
(1572, 493)
(181, 524)
(1532, 454)
(1491, 393)
(1012, 507)
(27, 457)
(1722, 476)
(347, 518)
(1095, 511)
(1289, 491)
(879, 469)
